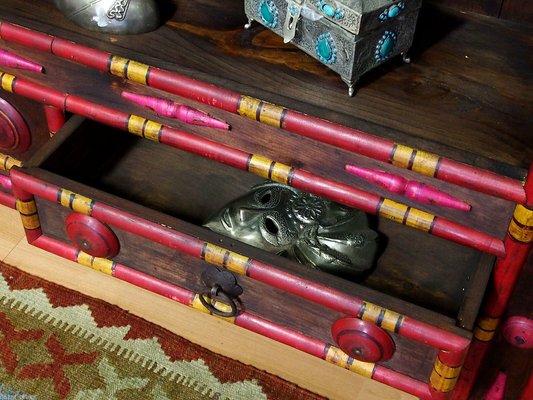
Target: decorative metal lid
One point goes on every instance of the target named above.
(356, 16)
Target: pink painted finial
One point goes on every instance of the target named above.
(497, 389)
(5, 182)
(8, 59)
(171, 109)
(412, 189)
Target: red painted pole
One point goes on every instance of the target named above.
(315, 128)
(527, 391)
(257, 165)
(518, 244)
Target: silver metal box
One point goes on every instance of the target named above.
(349, 36)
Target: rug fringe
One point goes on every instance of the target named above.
(152, 357)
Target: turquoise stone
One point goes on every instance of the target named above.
(266, 13)
(324, 49)
(387, 46)
(328, 10)
(393, 11)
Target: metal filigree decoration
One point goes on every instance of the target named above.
(385, 46)
(307, 208)
(329, 10)
(269, 13)
(301, 226)
(118, 10)
(326, 49)
(392, 11)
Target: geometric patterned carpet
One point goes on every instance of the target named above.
(56, 343)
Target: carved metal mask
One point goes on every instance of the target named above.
(300, 226)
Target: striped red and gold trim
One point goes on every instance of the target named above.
(521, 226)
(197, 305)
(444, 377)
(128, 69)
(222, 257)
(28, 214)
(270, 169)
(406, 215)
(415, 160)
(145, 128)
(99, 264)
(486, 328)
(75, 202)
(8, 162)
(336, 356)
(382, 317)
(7, 81)
(262, 111)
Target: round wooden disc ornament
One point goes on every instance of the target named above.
(15, 135)
(519, 332)
(91, 236)
(362, 340)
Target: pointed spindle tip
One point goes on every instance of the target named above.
(197, 117)
(12, 60)
(133, 97)
(392, 183)
(426, 194)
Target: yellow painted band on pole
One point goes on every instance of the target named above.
(99, 264)
(8, 162)
(76, 202)
(7, 81)
(443, 377)
(197, 305)
(337, 357)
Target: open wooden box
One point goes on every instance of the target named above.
(422, 277)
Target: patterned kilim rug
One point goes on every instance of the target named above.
(56, 343)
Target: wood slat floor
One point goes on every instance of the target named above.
(212, 333)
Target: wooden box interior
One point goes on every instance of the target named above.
(414, 266)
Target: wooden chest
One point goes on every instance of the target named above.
(351, 36)
(153, 199)
(152, 196)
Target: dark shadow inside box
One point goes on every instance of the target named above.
(413, 266)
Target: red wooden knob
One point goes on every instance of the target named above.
(362, 340)
(519, 332)
(14, 133)
(91, 236)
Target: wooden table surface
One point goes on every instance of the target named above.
(468, 86)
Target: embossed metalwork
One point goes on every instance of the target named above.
(385, 46)
(118, 10)
(326, 49)
(269, 13)
(330, 10)
(392, 12)
(116, 16)
(300, 226)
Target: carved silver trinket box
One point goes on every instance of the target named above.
(349, 36)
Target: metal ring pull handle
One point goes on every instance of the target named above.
(222, 287)
(213, 296)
